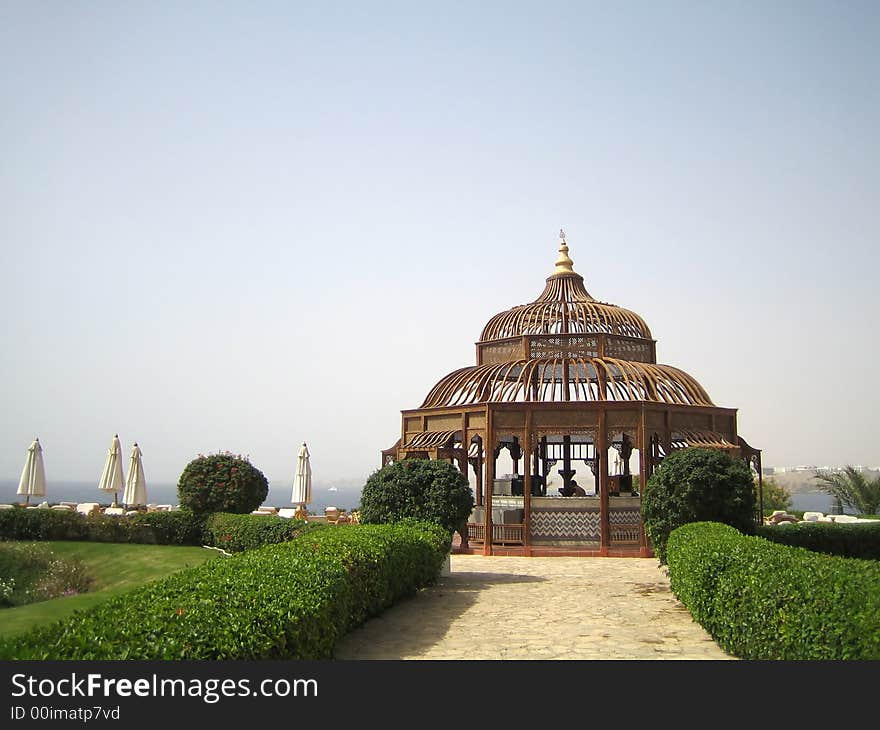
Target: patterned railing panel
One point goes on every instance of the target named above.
(501, 534)
(625, 526)
(582, 524)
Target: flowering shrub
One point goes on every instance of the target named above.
(7, 586)
(31, 572)
(221, 482)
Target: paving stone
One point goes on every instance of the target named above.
(537, 608)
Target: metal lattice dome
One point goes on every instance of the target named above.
(565, 307)
(570, 379)
(566, 346)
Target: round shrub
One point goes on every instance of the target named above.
(221, 483)
(418, 489)
(697, 485)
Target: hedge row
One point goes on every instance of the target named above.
(180, 527)
(293, 600)
(860, 540)
(236, 533)
(761, 600)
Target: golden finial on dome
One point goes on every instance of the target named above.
(563, 263)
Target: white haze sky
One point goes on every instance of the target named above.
(240, 226)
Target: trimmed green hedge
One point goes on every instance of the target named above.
(760, 600)
(236, 533)
(19, 523)
(180, 527)
(293, 600)
(860, 540)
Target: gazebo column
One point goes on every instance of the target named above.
(490, 480)
(478, 471)
(644, 457)
(602, 464)
(545, 469)
(566, 472)
(527, 485)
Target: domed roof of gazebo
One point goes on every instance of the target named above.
(565, 307)
(563, 347)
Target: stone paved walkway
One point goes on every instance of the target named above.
(538, 608)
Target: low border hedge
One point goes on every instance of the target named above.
(860, 540)
(761, 600)
(293, 600)
(19, 523)
(235, 533)
(180, 527)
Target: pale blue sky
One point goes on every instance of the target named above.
(244, 225)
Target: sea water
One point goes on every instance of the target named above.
(279, 495)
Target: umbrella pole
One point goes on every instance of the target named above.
(27, 499)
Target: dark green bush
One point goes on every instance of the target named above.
(113, 528)
(178, 527)
(181, 527)
(419, 489)
(31, 572)
(293, 600)
(761, 600)
(221, 483)
(19, 523)
(859, 540)
(697, 485)
(236, 533)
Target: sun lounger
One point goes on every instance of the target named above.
(87, 508)
(114, 511)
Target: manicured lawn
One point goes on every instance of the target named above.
(116, 568)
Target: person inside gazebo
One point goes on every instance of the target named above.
(573, 490)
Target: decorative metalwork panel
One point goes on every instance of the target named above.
(627, 349)
(566, 524)
(499, 352)
(562, 346)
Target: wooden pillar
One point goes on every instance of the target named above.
(644, 456)
(667, 434)
(490, 478)
(760, 490)
(527, 485)
(602, 459)
(479, 471)
(566, 472)
(544, 468)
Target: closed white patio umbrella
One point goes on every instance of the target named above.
(302, 482)
(136, 484)
(112, 479)
(33, 475)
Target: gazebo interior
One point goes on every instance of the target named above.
(560, 423)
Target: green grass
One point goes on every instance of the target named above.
(115, 567)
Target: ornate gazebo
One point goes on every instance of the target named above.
(568, 386)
